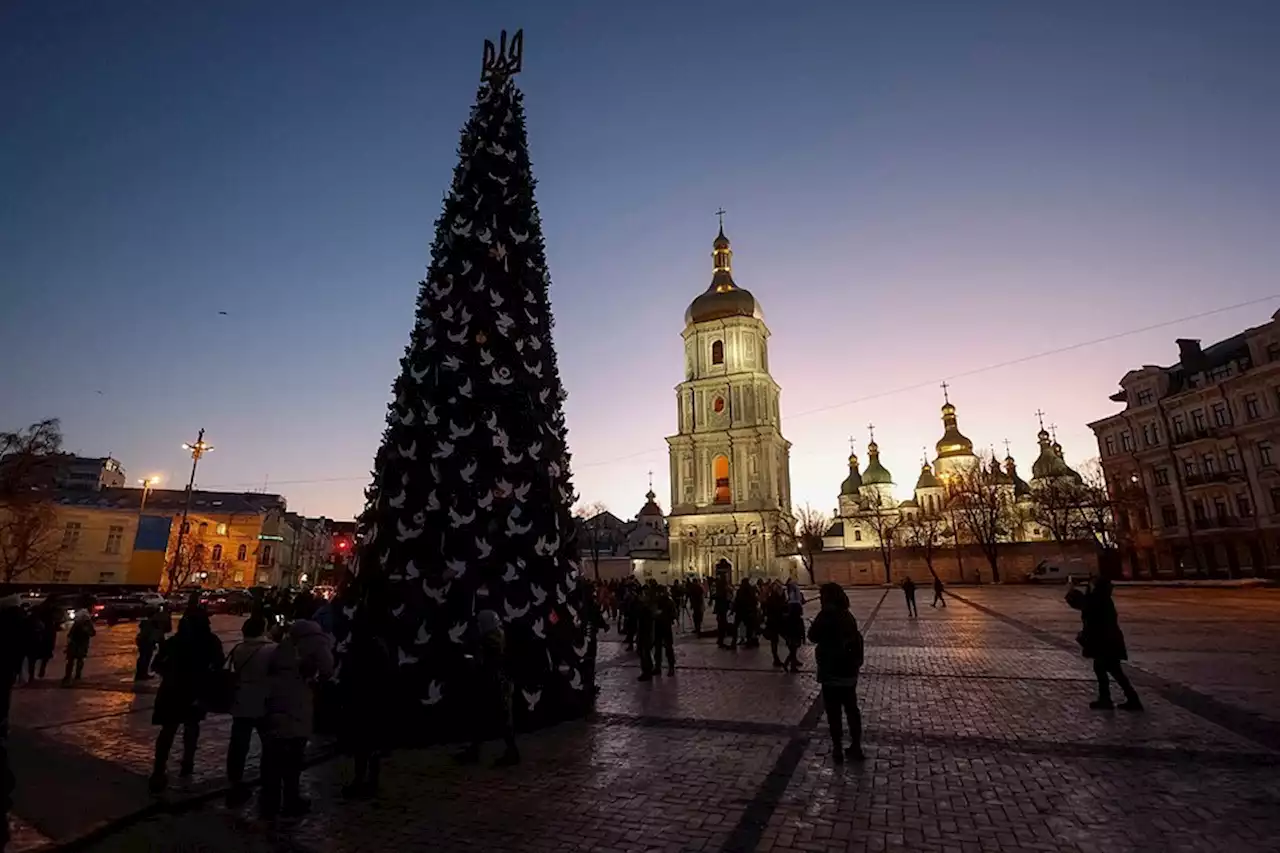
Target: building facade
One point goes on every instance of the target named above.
(730, 465)
(1194, 453)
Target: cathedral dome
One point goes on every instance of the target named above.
(927, 479)
(853, 482)
(651, 505)
(953, 442)
(876, 474)
(723, 298)
(1050, 465)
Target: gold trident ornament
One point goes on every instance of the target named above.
(504, 60)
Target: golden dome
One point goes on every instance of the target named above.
(953, 442)
(723, 298)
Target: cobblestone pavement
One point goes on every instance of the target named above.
(978, 737)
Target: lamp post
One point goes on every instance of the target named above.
(198, 449)
(147, 485)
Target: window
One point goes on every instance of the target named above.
(1220, 507)
(1243, 507)
(198, 551)
(720, 473)
(1189, 467)
(1264, 453)
(717, 352)
(204, 527)
(106, 577)
(1150, 434)
(1217, 374)
(1209, 463)
(217, 553)
(264, 555)
(1273, 351)
(1230, 460)
(239, 577)
(1197, 509)
(61, 575)
(71, 535)
(1275, 499)
(242, 553)
(1197, 419)
(1162, 476)
(1111, 445)
(221, 529)
(1144, 396)
(1179, 427)
(1126, 440)
(114, 534)
(857, 535)
(1251, 409)
(1221, 417)
(1169, 515)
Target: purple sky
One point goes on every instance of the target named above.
(915, 190)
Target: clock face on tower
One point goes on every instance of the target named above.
(718, 405)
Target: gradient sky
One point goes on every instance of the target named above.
(915, 190)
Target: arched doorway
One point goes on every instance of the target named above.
(724, 569)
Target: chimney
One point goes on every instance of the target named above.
(1190, 354)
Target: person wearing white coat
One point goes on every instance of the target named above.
(303, 658)
(251, 662)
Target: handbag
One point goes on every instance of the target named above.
(221, 692)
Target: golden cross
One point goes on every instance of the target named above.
(945, 398)
(1040, 417)
(720, 213)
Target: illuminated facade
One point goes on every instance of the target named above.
(730, 465)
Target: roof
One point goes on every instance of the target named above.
(853, 482)
(836, 529)
(909, 502)
(651, 505)
(927, 480)
(876, 474)
(172, 499)
(721, 300)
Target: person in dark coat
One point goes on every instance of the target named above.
(14, 645)
(492, 706)
(937, 592)
(722, 603)
(697, 603)
(1101, 639)
(839, 656)
(664, 618)
(43, 623)
(909, 590)
(150, 635)
(593, 622)
(645, 625)
(746, 608)
(775, 613)
(187, 664)
(368, 677)
(793, 626)
(79, 636)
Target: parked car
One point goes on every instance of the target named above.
(68, 603)
(234, 601)
(120, 608)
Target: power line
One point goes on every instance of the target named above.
(927, 383)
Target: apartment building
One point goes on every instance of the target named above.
(1197, 449)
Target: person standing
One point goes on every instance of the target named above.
(494, 692)
(79, 636)
(839, 656)
(15, 635)
(677, 599)
(746, 608)
(187, 664)
(366, 687)
(937, 592)
(1102, 640)
(793, 625)
(645, 623)
(722, 603)
(775, 612)
(43, 625)
(664, 617)
(697, 603)
(303, 658)
(150, 636)
(250, 661)
(593, 622)
(909, 590)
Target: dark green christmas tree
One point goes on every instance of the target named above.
(469, 508)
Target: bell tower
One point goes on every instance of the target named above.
(730, 465)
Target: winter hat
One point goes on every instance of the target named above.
(488, 621)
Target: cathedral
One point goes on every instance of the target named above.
(730, 466)
(866, 496)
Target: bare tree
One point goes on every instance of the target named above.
(926, 531)
(1057, 506)
(982, 504)
(28, 544)
(811, 524)
(885, 521)
(589, 516)
(193, 561)
(1102, 505)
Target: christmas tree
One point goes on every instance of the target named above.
(469, 507)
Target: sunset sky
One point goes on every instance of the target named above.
(915, 191)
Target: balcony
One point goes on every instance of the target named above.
(1212, 478)
(1200, 434)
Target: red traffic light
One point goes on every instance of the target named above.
(343, 544)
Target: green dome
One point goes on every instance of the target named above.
(853, 482)
(876, 474)
(1049, 465)
(927, 479)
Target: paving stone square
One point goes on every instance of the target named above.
(977, 731)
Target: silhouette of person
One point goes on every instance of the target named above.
(1101, 639)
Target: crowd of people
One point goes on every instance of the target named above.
(269, 681)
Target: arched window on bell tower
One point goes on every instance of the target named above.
(720, 472)
(717, 352)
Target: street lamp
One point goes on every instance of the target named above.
(148, 484)
(198, 449)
